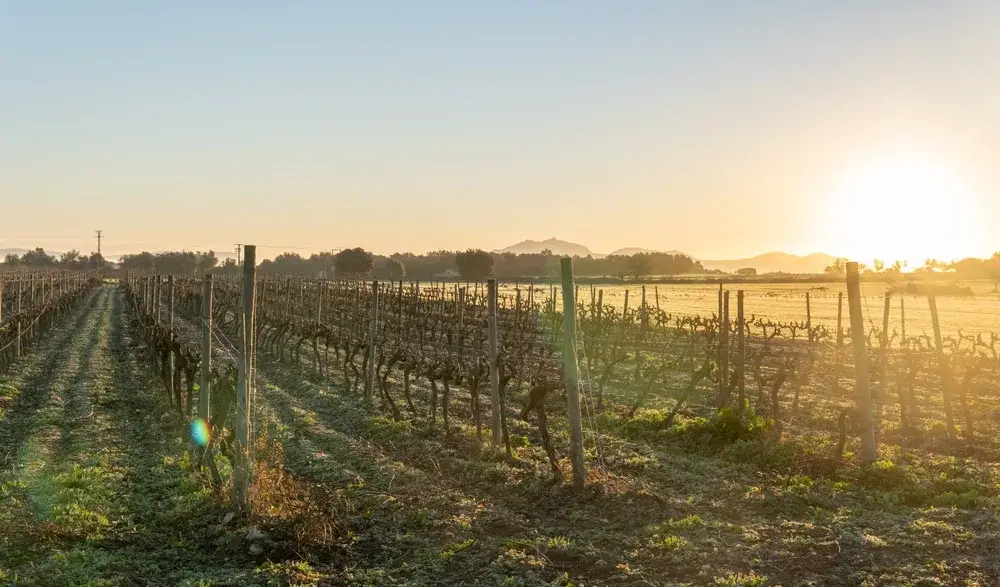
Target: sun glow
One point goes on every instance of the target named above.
(903, 207)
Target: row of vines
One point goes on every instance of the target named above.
(422, 354)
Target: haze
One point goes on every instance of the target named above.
(722, 129)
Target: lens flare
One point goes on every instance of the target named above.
(199, 432)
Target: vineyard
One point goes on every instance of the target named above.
(382, 433)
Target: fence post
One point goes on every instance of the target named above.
(862, 392)
(17, 314)
(809, 320)
(372, 333)
(242, 479)
(644, 318)
(491, 295)
(943, 366)
(206, 348)
(884, 351)
(320, 294)
(724, 350)
(902, 322)
(741, 350)
(840, 319)
(170, 343)
(571, 371)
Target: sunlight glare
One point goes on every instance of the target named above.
(903, 207)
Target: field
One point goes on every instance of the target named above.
(975, 314)
(400, 485)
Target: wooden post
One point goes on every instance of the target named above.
(863, 393)
(17, 313)
(809, 321)
(170, 340)
(372, 334)
(572, 374)
(943, 365)
(741, 350)
(241, 477)
(158, 294)
(724, 349)
(491, 295)
(600, 303)
(320, 294)
(206, 348)
(644, 319)
(884, 344)
(902, 322)
(840, 322)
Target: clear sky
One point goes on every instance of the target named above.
(723, 129)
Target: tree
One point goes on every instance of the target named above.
(747, 271)
(640, 265)
(838, 267)
(70, 258)
(38, 258)
(474, 264)
(11, 259)
(205, 262)
(394, 268)
(354, 262)
(96, 260)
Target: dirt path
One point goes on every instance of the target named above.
(94, 488)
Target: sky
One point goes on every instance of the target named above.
(722, 129)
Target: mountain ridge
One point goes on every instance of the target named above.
(769, 262)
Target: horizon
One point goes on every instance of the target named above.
(722, 131)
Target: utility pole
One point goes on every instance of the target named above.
(239, 251)
(98, 242)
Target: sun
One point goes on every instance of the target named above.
(903, 207)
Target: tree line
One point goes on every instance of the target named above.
(474, 265)
(38, 258)
(967, 268)
(470, 265)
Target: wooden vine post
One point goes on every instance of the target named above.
(491, 295)
(862, 391)
(241, 477)
(572, 374)
(809, 318)
(644, 320)
(741, 350)
(17, 314)
(840, 319)
(372, 334)
(883, 369)
(724, 349)
(205, 385)
(170, 340)
(902, 322)
(943, 366)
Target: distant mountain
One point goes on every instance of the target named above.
(636, 250)
(5, 252)
(775, 262)
(553, 244)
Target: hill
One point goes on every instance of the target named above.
(558, 247)
(775, 263)
(627, 251)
